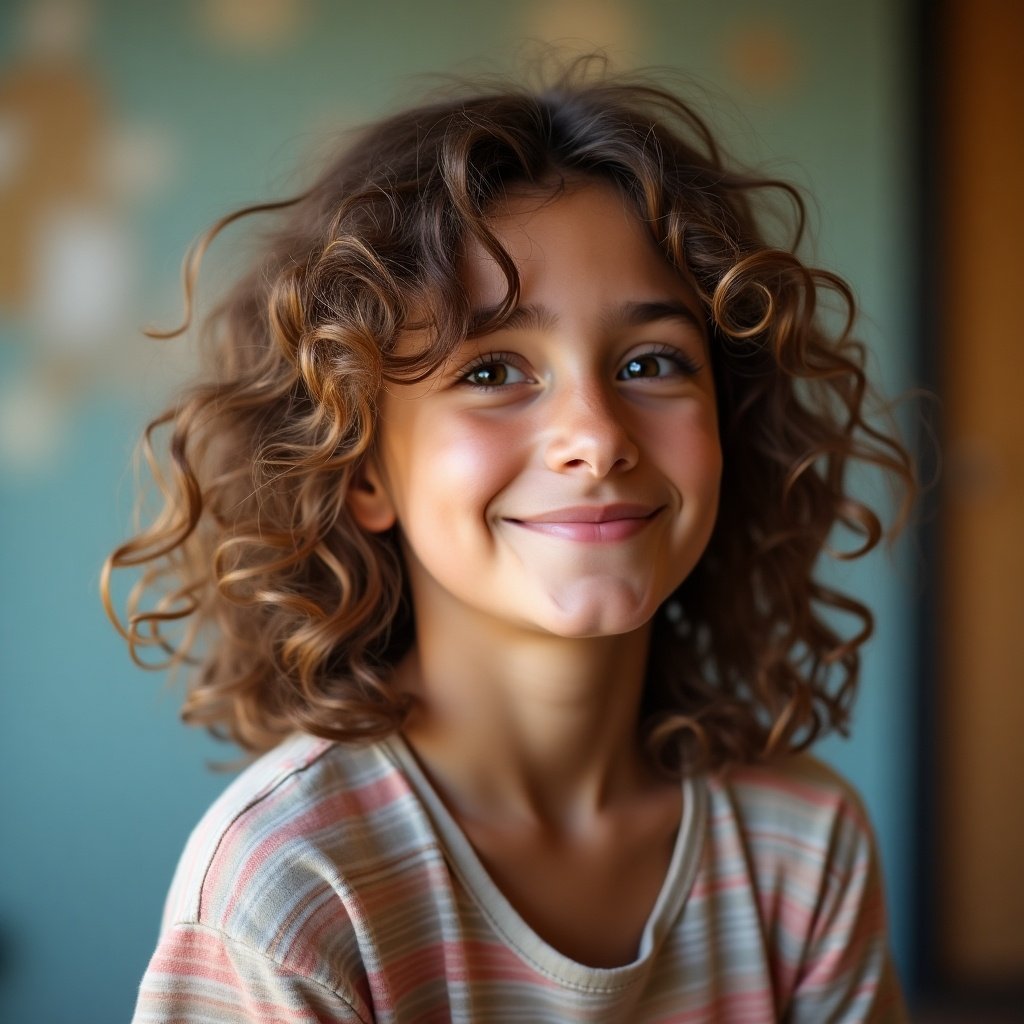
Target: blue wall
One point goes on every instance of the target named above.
(200, 111)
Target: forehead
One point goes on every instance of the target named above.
(585, 231)
(580, 250)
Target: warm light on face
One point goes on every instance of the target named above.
(561, 473)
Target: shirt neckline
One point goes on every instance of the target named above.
(506, 920)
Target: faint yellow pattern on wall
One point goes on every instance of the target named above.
(253, 26)
(69, 265)
(51, 116)
(762, 55)
(585, 25)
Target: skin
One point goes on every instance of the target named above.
(553, 484)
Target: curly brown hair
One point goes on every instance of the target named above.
(307, 612)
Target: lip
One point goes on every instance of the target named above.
(591, 523)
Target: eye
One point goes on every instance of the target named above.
(493, 371)
(657, 364)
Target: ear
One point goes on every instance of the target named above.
(369, 501)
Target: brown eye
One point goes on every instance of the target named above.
(657, 364)
(494, 371)
(641, 366)
(488, 375)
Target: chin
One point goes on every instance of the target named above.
(611, 611)
(589, 631)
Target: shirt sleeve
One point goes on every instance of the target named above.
(847, 975)
(199, 975)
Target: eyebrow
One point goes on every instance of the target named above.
(636, 314)
(538, 317)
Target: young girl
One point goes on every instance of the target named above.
(494, 527)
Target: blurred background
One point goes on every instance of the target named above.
(127, 127)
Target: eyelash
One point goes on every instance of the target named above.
(490, 359)
(685, 364)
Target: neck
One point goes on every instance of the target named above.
(531, 726)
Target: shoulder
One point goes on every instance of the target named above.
(798, 830)
(274, 862)
(796, 795)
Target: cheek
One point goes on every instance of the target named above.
(472, 446)
(691, 451)
(452, 470)
(701, 460)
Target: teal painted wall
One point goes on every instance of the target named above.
(101, 783)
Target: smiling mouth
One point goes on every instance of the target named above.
(591, 523)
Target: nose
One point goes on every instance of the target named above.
(587, 434)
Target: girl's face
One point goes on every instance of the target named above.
(561, 474)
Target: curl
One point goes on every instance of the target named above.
(254, 575)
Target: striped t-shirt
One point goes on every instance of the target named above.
(330, 883)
